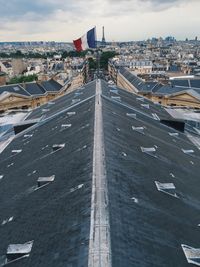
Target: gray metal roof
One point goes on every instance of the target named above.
(14, 88)
(152, 176)
(51, 86)
(34, 89)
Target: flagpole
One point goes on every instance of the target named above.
(98, 54)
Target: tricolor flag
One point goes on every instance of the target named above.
(88, 40)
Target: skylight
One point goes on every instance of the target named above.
(168, 188)
(192, 254)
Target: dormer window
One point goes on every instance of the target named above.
(57, 147)
(149, 150)
(192, 254)
(18, 251)
(45, 180)
(168, 188)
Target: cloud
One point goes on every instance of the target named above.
(68, 19)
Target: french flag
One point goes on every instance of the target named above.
(88, 40)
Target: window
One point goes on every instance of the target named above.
(192, 254)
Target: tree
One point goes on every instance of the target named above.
(22, 79)
(104, 58)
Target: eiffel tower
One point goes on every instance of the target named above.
(103, 42)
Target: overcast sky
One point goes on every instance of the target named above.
(124, 20)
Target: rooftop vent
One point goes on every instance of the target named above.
(18, 251)
(188, 151)
(168, 188)
(149, 150)
(135, 200)
(155, 117)
(45, 180)
(138, 129)
(192, 254)
(131, 115)
(15, 152)
(145, 106)
(57, 147)
(1, 177)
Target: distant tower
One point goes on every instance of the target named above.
(103, 42)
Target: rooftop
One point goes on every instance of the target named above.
(151, 191)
